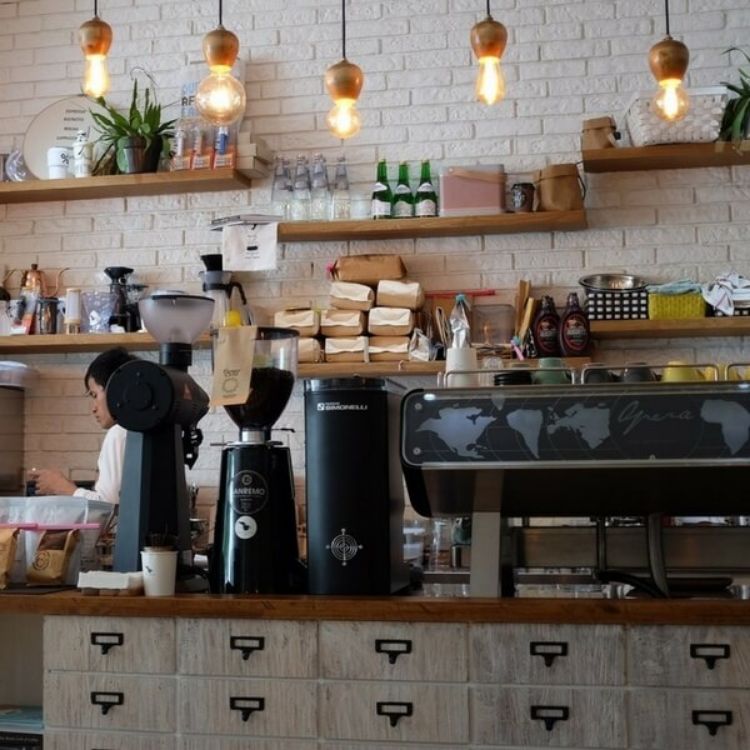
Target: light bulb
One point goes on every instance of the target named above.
(490, 87)
(220, 98)
(344, 120)
(671, 101)
(95, 76)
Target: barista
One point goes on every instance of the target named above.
(112, 453)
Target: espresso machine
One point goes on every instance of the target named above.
(354, 487)
(160, 405)
(255, 539)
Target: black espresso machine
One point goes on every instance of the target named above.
(255, 547)
(652, 450)
(354, 487)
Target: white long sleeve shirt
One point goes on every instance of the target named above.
(111, 458)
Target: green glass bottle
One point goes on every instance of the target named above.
(426, 199)
(382, 197)
(403, 198)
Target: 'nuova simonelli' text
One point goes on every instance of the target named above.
(338, 406)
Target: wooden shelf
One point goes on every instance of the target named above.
(648, 329)
(369, 369)
(123, 185)
(61, 343)
(441, 226)
(678, 156)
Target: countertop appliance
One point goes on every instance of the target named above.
(601, 450)
(255, 539)
(160, 405)
(354, 487)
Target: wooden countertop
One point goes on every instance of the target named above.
(396, 609)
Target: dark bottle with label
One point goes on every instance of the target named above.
(575, 332)
(547, 329)
(382, 197)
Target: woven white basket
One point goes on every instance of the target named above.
(702, 123)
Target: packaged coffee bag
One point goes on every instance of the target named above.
(50, 564)
(8, 541)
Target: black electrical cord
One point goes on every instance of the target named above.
(488, 9)
(221, 12)
(96, 8)
(343, 29)
(666, 14)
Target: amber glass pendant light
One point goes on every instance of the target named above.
(344, 82)
(488, 40)
(220, 97)
(668, 60)
(95, 37)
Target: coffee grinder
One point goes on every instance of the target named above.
(160, 405)
(118, 280)
(255, 540)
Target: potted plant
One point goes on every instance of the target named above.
(134, 141)
(736, 120)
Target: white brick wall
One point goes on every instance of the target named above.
(566, 60)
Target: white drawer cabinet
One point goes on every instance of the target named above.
(199, 742)
(393, 651)
(396, 712)
(547, 654)
(690, 719)
(247, 648)
(102, 701)
(72, 740)
(689, 656)
(548, 717)
(110, 644)
(259, 708)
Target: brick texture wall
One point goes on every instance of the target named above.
(566, 60)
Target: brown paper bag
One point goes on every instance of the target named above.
(599, 132)
(352, 349)
(233, 365)
(400, 294)
(345, 295)
(368, 269)
(50, 563)
(560, 188)
(8, 542)
(342, 323)
(389, 348)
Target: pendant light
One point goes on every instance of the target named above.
(95, 37)
(344, 82)
(668, 60)
(488, 40)
(220, 97)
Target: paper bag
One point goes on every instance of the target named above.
(338, 323)
(351, 349)
(233, 365)
(344, 295)
(400, 294)
(368, 269)
(390, 321)
(389, 348)
(305, 322)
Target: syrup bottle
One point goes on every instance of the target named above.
(547, 329)
(575, 332)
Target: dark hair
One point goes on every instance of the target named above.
(101, 369)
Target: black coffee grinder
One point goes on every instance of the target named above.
(255, 540)
(118, 281)
(160, 406)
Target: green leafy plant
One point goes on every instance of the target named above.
(734, 124)
(142, 120)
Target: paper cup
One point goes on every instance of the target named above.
(159, 572)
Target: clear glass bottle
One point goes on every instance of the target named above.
(341, 199)
(320, 196)
(403, 198)
(301, 191)
(425, 201)
(281, 193)
(382, 197)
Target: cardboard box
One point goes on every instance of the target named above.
(473, 190)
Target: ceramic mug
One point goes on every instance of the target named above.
(58, 159)
(550, 372)
(637, 372)
(678, 371)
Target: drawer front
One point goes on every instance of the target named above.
(685, 720)
(64, 740)
(110, 644)
(395, 712)
(548, 717)
(547, 654)
(393, 651)
(198, 742)
(96, 701)
(689, 656)
(247, 648)
(257, 708)
(379, 746)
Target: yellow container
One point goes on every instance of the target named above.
(676, 306)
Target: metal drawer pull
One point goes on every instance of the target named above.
(106, 700)
(247, 706)
(550, 715)
(711, 652)
(246, 644)
(393, 648)
(548, 650)
(107, 640)
(712, 720)
(394, 711)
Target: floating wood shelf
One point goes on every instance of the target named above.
(61, 343)
(678, 156)
(441, 226)
(124, 185)
(651, 329)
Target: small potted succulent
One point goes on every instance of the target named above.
(135, 140)
(736, 121)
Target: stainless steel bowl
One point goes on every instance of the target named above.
(612, 282)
